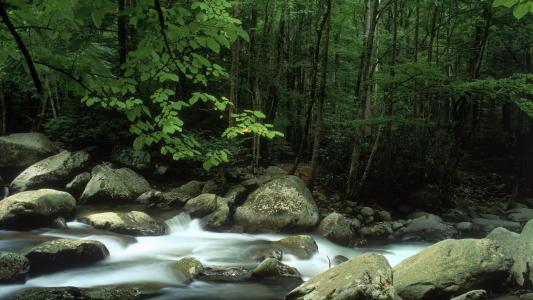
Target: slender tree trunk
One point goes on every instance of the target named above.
(321, 99)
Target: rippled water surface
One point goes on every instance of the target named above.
(147, 261)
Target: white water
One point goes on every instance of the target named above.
(146, 260)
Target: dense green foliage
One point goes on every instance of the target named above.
(380, 97)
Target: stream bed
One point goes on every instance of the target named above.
(146, 262)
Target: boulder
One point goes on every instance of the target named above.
(52, 171)
(113, 185)
(336, 228)
(364, 277)
(489, 224)
(273, 268)
(520, 214)
(236, 195)
(473, 295)
(63, 254)
(60, 293)
(188, 268)
(225, 274)
(23, 149)
(155, 198)
(131, 158)
(78, 183)
(301, 246)
(32, 209)
(450, 268)
(219, 217)
(259, 254)
(13, 267)
(427, 228)
(282, 203)
(202, 205)
(134, 223)
(382, 230)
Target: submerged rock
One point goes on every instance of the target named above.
(133, 223)
(364, 277)
(189, 268)
(33, 209)
(336, 228)
(13, 267)
(301, 246)
(61, 293)
(109, 185)
(450, 268)
(64, 254)
(279, 204)
(54, 170)
(23, 149)
(273, 268)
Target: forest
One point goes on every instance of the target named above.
(251, 149)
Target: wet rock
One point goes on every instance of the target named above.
(427, 228)
(13, 268)
(78, 183)
(219, 217)
(451, 267)
(273, 268)
(64, 254)
(202, 205)
(262, 253)
(380, 230)
(336, 228)
(301, 246)
(339, 259)
(489, 224)
(520, 215)
(62, 293)
(52, 171)
(132, 223)
(109, 185)
(367, 276)
(32, 209)
(279, 204)
(24, 149)
(225, 274)
(189, 268)
(131, 158)
(473, 295)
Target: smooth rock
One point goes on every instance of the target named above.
(62, 254)
(134, 223)
(364, 277)
(32, 209)
(189, 268)
(282, 203)
(24, 149)
(52, 171)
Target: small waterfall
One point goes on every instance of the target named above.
(179, 223)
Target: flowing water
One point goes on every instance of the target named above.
(147, 261)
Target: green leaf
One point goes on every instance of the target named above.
(213, 45)
(521, 10)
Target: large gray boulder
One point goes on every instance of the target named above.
(336, 228)
(13, 267)
(52, 171)
(364, 277)
(132, 223)
(109, 185)
(33, 209)
(64, 254)
(450, 268)
(427, 228)
(23, 149)
(282, 203)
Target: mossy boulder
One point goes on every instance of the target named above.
(64, 254)
(364, 277)
(52, 171)
(301, 246)
(283, 203)
(188, 268)
(32, 209)
(13, 267)
(201, 205)
(23, 149)
(135, 223)
(108, 185)
(450, 268)
(336, 228)
(273, 268)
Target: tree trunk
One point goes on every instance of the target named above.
(321, 99)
